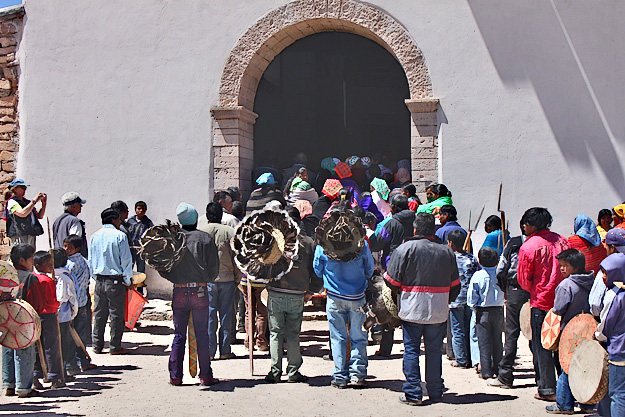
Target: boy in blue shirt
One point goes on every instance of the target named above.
(487, 299)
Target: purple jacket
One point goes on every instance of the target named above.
(614, 323)
(572, 296)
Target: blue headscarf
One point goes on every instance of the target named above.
(266, 178)
(587, 229)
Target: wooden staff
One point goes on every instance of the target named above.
(42, 359)
(502, 215)
(56, 315)
(250, 324)
(79, 342)
(467, 241)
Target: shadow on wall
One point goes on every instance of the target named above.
(570, 52)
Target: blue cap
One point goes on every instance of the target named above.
(16, 182)
(266, 178)
(187, 214)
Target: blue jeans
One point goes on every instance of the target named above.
(617, 390)
(220, 301)
(433, 335)
(186, 301)
(340, 314)
(474, 346)
(82, 324)
(17, 368)
(564, 396)
(460, 319)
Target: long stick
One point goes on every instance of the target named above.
(58, 326)
(78, 342)
(42, 359)
(502, 216)
(250, 325)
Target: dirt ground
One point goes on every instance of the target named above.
(136, 384)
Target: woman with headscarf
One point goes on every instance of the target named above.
(604, 222)
(438, 196)
(345, 176)
(298, 188)
(588, 241)
(379, 195)
(266, 193)
(330, 191)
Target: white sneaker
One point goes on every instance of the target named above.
(495, 382)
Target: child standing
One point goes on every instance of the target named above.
(18, 364)
(66, 296)
(570, 300)
(139, 223)
(460, 312)
(79, 268)
(486, 298)
(47, 306)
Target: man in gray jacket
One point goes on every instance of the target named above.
(221, 291)
(285, 304)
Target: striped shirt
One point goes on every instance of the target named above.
(79, 268)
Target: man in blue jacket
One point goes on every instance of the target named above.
(345, 282)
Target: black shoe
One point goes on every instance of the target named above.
(37, 384)
(97, 350)
(298, 378)
(270, 379)
(32, 393)
(404, 400)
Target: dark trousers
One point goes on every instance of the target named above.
(110, 299)
(388, 336)
(513, 330)
(187, 301)
(261, 317)
(68, 347)
(489, 322)
(82, 325)
(544, 361)
(449, 349)
(51, 348)
(242, 311)
(433, 335)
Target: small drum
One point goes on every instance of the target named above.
(9, 280)
(550, 331)
(525, 318)
(19, 324)
(581, 327)
(588, 372)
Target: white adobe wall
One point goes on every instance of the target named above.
(115, 99)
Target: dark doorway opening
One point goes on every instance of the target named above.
(331, 94)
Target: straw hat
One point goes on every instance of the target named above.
(265, 243)
(341, 235)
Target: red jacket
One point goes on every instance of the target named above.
(539, 271)
(42, 295)
(593, 254)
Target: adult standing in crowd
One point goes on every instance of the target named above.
(20, 214)
(221, 291)
(110, 262)
(448, 216)
(426, 274)
(266, 193)
(438, 195)
(494, 238)
(539, 274)
(198, 267)
(68, 223)
(587, 240)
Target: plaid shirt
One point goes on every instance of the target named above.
(467, 266)
(79, 268)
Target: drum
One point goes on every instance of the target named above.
(381, 307)
(9, 280)
(588, 372)
(19, 324)
(525, 318)
(550, 331)
(581, 327)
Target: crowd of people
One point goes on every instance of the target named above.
(424, 255)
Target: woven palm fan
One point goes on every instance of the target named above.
(163, 246)
(265, 243)
(341, 235)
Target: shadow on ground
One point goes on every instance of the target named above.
(453, 398)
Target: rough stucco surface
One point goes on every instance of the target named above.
(115, 99)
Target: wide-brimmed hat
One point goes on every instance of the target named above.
(341, 235)
(17, 182)
(265, 243)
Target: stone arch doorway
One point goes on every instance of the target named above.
(233, 125)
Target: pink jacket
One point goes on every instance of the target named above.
(539, 271)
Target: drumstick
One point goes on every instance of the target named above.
(79, 342)
(250, 325)
(42, 359)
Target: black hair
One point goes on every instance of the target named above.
(359, 212)
(41, 257)
(440, 189)
(287, 187)
(603, 212)
(457, 238)
(424, 224)
(238, 209)
(293, 212)
(410, 189)
(74, 240)
(21, 251)
(374, 171)
(538, 217)
(487, 256)
(234, 193)
(108, 215)
(344, 195)
(214, 212)
(119, 206)
(141, 203)
(220, 196)
(300, 158)
(493, 222)
(451, 212)
(60, 258)
(388, 178)
(370, 217)
(575, 258)
(399, 202)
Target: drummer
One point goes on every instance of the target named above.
(571, 299)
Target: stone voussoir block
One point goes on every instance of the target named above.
(424, 153)
(422, 142)
(423, 165)
(431, 175)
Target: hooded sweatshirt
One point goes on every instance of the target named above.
(613, 326)
(572, 296)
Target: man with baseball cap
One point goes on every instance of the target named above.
(615, 243)
(68, 223)
(110, 263)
